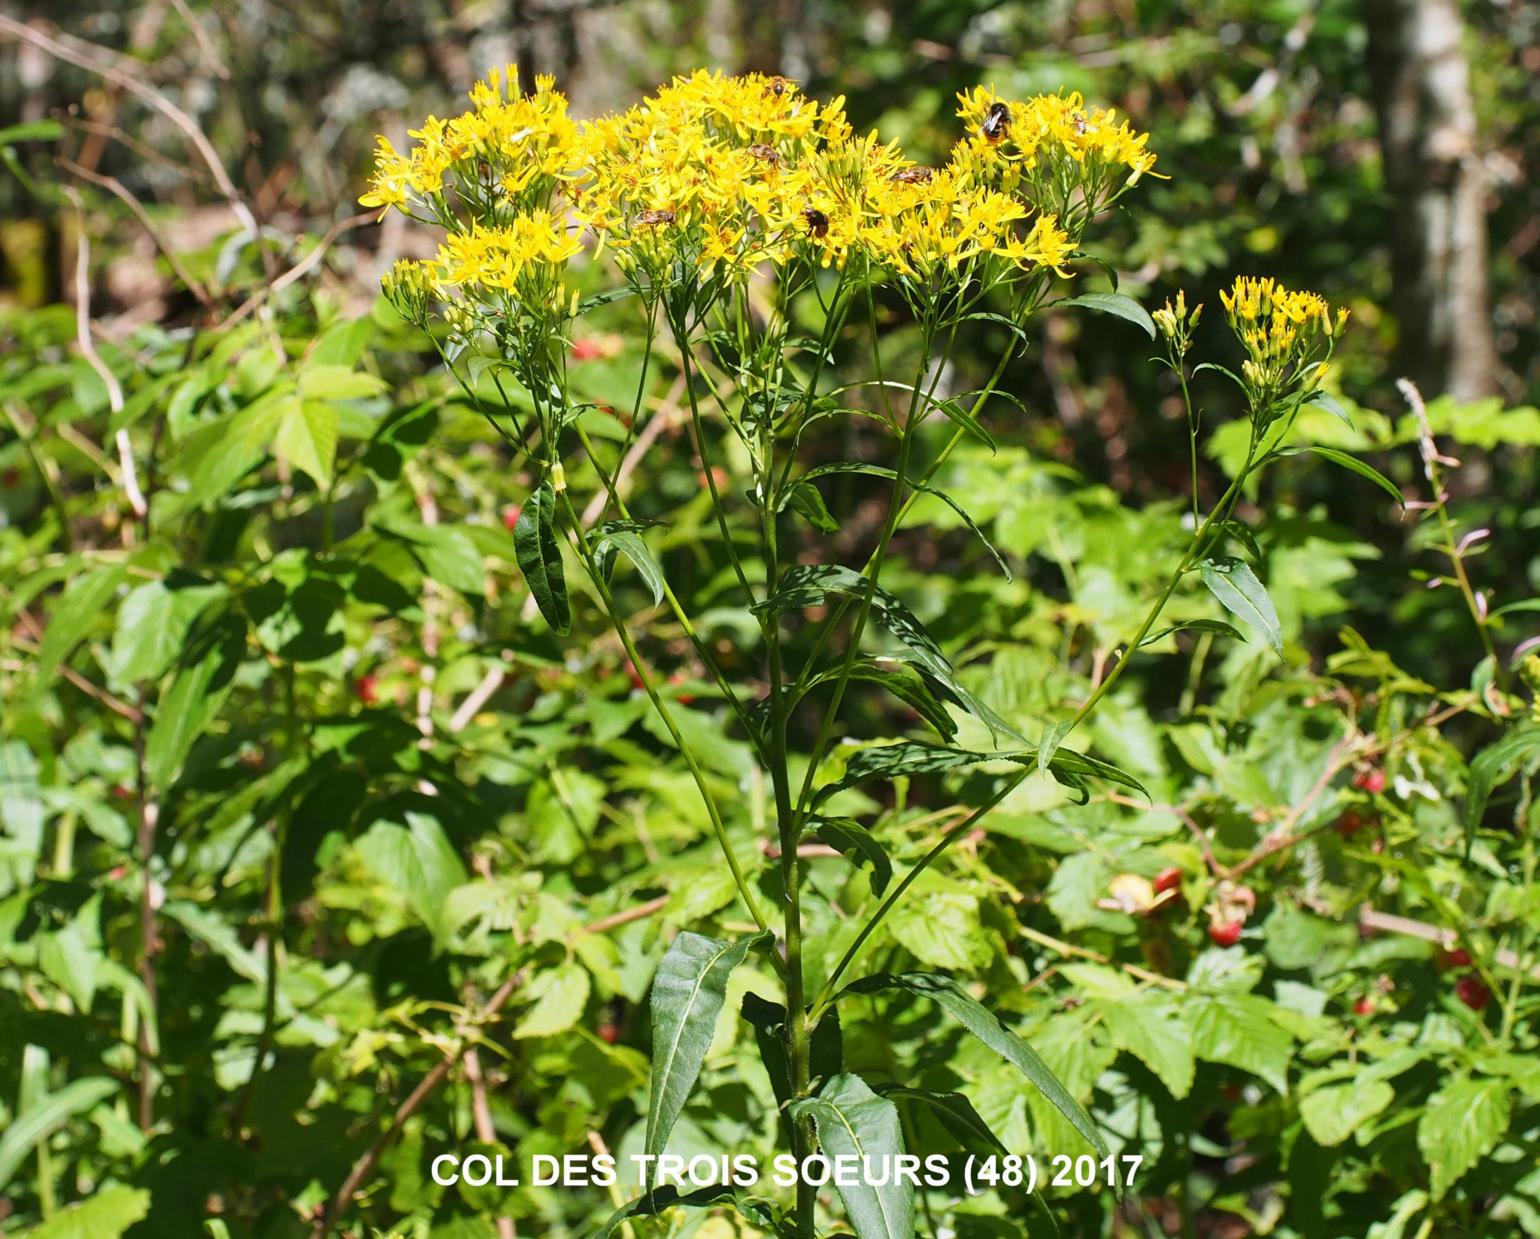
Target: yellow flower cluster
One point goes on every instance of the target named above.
(716, 175)
(1053, 145)
(1279, 327)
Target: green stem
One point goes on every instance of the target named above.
(718, 827)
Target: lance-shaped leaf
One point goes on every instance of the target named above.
(857, 844)
(950, 996)
(1238, 590)
(1194, 625)
(888, 761)
(855, 1122)
(1120, 305)
(538, 553)
(626, 537)
(687, 996)
(956, 1114)
(1496, 764)
(43, 1117)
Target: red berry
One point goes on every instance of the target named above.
(1364, 1006)
(1350, 823)
(1457, 958)
(608, 1032)
(511, 515)
(1371, 780)
(587, 349)
(1168, 880)
(1224, 933)
(366, 689)
(1472, 993)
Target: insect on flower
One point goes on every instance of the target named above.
(817, 221)
(764, 151)
(997, 121)
(919, 175)
(653, 219)
(777, 86)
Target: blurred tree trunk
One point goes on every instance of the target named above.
(1421, 84)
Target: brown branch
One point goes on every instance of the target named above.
(115, 186)
(481, 1117)
(89, 56)
(300, 268)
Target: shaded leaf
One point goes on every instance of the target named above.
(857, 844)
(1119, 305)
(538, 553)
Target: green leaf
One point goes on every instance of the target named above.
(81, 604)
(950, 996)
(44, 1117)
(417, 860)
(1119, 305)
(106, 1215)
(768, 1019)
(1462, 1124)
(1330, 403)
(1195, 625)
(1236, 586)
(329, 381)
(1334, 1112)
(908, 757)
(626, 537)
(538, 553)
(855, 1122)
(560, 995)
(1152, 1030)
(1494, 765)
(687, 996)
(808, 585)
(307, 437)
(1242, 1030)
(655, 1202)
(956, 1113)
(807, 500)
(194, 698)
(856, 843)
(32, 131)
(1363, 470)
(152, 627)
(904, 683)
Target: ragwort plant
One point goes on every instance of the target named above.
(759, 236)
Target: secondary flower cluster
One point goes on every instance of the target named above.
(1287, 334)
(714, 176)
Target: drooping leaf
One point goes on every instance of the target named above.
(538, 553)
(1194, 625)
(956, 1113)
(1462, 1124)
(806, 499)
(950, 996)
(626, 538)
(855, 1122)
(687, 996)
(1119, 305)
(1236, 586)
(903, 682)
(852, 840)
(826, 1049)
(1354, 465)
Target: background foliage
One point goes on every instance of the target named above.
(304, 687)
